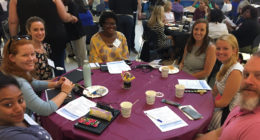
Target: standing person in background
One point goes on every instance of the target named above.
(124, 10)
(75, 31)
(177, 9)
(199, 54)
(35, 27)
(51, 11)
(227, 7)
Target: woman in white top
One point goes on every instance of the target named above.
(216, 27)
(228, 78)
(169, 16)
(227, 6)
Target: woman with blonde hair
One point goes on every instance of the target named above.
(169, 16)
(156, 24)
(228, 78)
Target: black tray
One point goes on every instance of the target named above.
(50, 93)
(75, 76)
(104, 123)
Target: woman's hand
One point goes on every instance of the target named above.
(67, 86)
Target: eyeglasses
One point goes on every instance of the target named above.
(17, 38)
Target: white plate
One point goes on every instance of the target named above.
(90, 90)
(169, 24)
(171, 71)
(173, 28)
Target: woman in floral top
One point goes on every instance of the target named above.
(108, 45)
(36, 29)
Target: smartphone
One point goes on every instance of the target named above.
(191, 112)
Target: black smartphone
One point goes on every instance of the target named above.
(192, 113)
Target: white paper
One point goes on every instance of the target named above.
(169, 119)
(51, 63)
(194, 84)
(117, 67)
(94, 65)
(76, 108)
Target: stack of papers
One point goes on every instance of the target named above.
(194, 84)
(117, 67)
(76, 108)
(165, 119)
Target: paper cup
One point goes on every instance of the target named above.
(179, 90)
(150, 97)
(165, 71)
(180, 28)
(126, 108)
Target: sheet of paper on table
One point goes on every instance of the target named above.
(94, 65)
(76, 108)
(194, 84)
(117, 67)
(168, 119)
(189, 9)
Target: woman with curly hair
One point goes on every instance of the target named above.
(228, 79)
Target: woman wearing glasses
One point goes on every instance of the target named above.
(14, 124)
(19, 61)
(108, 45)
(35, 27)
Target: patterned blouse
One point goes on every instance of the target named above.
(100, 52)
(42, 69)
(161, 37)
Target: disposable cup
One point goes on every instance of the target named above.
(180, 28)
(165, 71)
(150, 97)
(179, 90)
(126, 108)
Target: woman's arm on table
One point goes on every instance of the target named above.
(209, 63)
(231, 88)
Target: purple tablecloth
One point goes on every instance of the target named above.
(138, 126)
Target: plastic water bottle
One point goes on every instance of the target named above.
(87, 74)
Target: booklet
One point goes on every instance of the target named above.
(194, 84)
(117, 67)
(76, 108)
(165, 119)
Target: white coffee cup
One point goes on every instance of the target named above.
(165, 71)
(180, 28)
(179, 90)
(150, 97)
(126, 108)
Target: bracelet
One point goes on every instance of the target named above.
(65, 92)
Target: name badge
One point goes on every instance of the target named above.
(51, 63)
(117, 43)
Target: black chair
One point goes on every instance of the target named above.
(178, 16)
(149, 49)
(252, 48)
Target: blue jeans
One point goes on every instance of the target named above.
(126, 25)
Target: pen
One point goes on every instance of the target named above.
(153, 117)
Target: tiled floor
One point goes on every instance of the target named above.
(72, 64)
